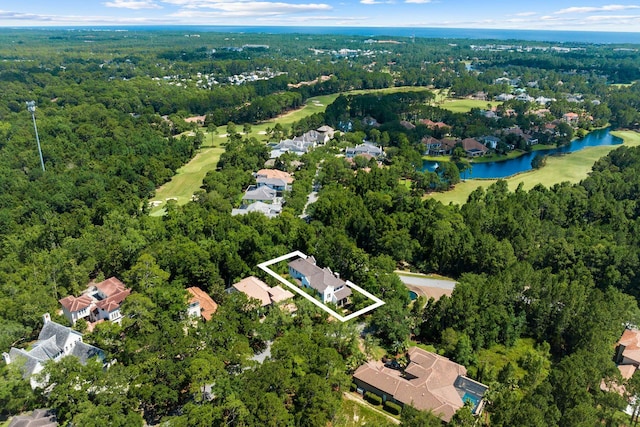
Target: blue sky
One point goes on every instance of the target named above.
(538, 15)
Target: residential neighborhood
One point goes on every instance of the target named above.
(267, 195)
(275, 226)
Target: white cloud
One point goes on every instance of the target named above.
(612, 18)
(526, 14)
(377, 2)
(42, 19)
(244, 9)
(591, 9)
(18, 16)
(132, 4)
(417, 1)
(312, 18)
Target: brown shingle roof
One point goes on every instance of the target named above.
(255, 288)
(472, 144)
(207, 305)
(429, 382)
(275, 173)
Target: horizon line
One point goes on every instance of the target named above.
(150, 25)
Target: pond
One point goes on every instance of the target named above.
(507, 168)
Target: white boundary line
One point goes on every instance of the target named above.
(265, 267)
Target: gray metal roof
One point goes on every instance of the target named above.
(53, 329)
(319, 278)
(260, 193)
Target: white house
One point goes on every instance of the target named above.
(270, 210)
(326, 283)
(365, 148)
(100, 301)
(259, 194)
(54, 342)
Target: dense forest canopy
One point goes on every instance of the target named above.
(551, 272)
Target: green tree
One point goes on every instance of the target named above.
(16, 395)
(411, 417)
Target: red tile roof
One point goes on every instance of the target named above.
(631, 340)
(207, 305)
(432, 124)
(111, 286)
(115, 292)
(73, 304)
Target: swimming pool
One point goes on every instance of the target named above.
(469, 397)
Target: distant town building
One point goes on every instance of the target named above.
(365, 148)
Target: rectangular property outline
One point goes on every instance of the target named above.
(265, 267)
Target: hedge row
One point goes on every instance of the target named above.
(374, 399)
(392, 408)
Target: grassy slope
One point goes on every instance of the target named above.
(188, 178)
(353, 414)
(465, 105)
(313, 105)
(573, 167)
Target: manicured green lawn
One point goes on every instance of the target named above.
(313, 105)
(406, 183)
(498, 157)
(353, 414)
(390, 90)
(188, 178)
(573, 168)
(465, 105)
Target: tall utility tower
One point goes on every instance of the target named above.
(31, 106)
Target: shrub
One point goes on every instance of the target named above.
(374, 399)
(353, 387)
(392, 408)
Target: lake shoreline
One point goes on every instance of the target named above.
(502, 169)
(572, 169)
